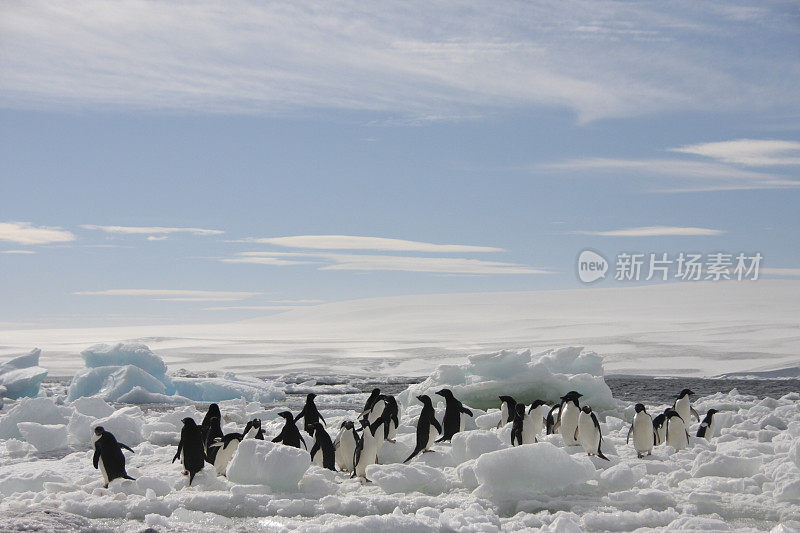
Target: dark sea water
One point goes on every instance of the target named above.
(634, 388)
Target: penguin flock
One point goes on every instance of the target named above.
(357, 445)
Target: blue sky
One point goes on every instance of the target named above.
(153, 152)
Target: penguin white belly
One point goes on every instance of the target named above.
(461, 421)
(642, 433)
(503, 414)
(710, 431)
(569, 421)
(682, 405)
(347, 447)
(379, 439)
(676, 434)
(102, 468)
(661, 432)
(528, 430)
(224, 456)
(537, 420)
(377, 411)
(368, 455)
(588, 436)
(432, 436)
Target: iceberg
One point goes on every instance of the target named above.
(22, 375)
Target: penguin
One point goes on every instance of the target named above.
(190, 449)
(310, 414)
(588, 433)
(391, 415)
(507, 410)
(373, 398)
(519, 428)
(377, 410)
(683, 405)
(322, 451)
(569, 412)
(227, 445)
(108, 456)
(366, 452)
(211, 430)
(550, 421)
(644, 432)
(452, 422)
(660, 427)
(425, 426)
(537, 414)
(206, 424)
(345, 445)
(290, 435)
(707, 429)
(676, 434)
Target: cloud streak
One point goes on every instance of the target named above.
(350, 242)
(748, 152)
(151, 230)
(27, 233)
(174, 295)
(655, 231)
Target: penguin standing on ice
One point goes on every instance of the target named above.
(452, 422)
(322, 451)
(369, 406)
(207, 425)
(588, 433)
(644, 433)
(425, 427)
(508, 407)
(224, 447)
(391, 416)
(255, 430)
(707, 428)
(310, 414)
(536, 412)
(108, 456)
(190, 449)
(569, 413)
(660, 426)
(677, 436)
(683, 405)
(289, 435)
(345, 445)
(522, 430)
(366, 452)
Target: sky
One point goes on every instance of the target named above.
(169, 162)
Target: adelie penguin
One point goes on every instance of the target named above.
(660, 426)
(224, 447)
(211, 429)
(426, 425)
(345, 445)
(707, 428)
(108, 456)
(190, 449)
(643, 430)
(453, 421)
(373, 407)
(588, 433)
(683, 405)
(676, 436)
(290, 435)
(322, 451)
(310, 414)
(508, 407)
(366, 452)
(391, 416)
(569, 412)
(522, 427)
(537, 414)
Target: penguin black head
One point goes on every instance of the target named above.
(189, 422)
(671, 413)
(507, 399)
(586, 409)
(571, 395)
(446, 393)
(640, 408)
(424, 398)
(315, 427)
(214, 411)
(256, 423)
(520, 409)
(536, 403)
(375, 392)
(99, 430)
(364, 422)
(712, 412)
(348, 424)
(685, 392)
(285, 414)
(310, 397)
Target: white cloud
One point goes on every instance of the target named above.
(349, 242)
(255, 308)
(598, 58)
(20, 252)
(441, 265)
(151, 230)
(27, 233)
(792, 272)
(174, 295)
(655, 231)
(749, 152)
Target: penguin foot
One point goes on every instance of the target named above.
(640, 455)
(185, 472)
(105, 485)
(428, 451)
(391, 440)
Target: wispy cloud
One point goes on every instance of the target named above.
(151, 230)
(597, 58)
(655, 231)
(20, 252)
(749, 152)
(27, 233)
(174, 295)
(350, 242)
(255, 308)
(441, 265)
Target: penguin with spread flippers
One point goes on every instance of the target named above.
(508, 407)
(290, 435)
(676, 435)
(643, 431)
(707, 428)
(322, 450)
(190, 449)
(345, 445)
(108, 456)
(310, 414)
(428, 427)
(683, 405)
(454, 410)
(588, 433)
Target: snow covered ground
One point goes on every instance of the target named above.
(700, 329)
(746, 478)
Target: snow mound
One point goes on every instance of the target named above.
(40, 410)
(527, 377)
(22, 375)
(709, 463)
(401, 478)
(514, 473)
(44, 437)
(258, 462)
(472, 444)
(132, 373)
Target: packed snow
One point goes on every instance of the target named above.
(21, 376)
(746, 478)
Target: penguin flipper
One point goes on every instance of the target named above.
(413, 454)
(701, 431)
(575, 436)
(628, 438)
(314, 450)
(126, 476)
(466, 411)
(697, 416)
(126, 447)
(178, 453)
(436, 424)
(600, 454)
(96, 457)
(191, 477)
